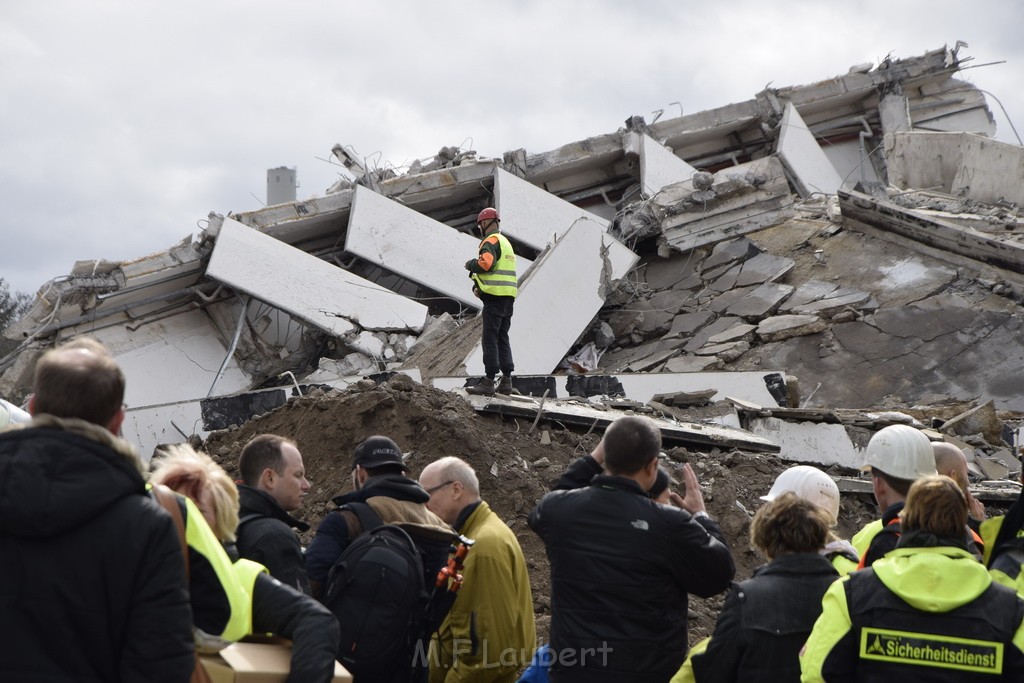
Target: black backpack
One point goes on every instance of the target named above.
(379, 592)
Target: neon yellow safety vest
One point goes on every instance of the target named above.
(500, 280)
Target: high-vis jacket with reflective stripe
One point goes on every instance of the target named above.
(500, 279)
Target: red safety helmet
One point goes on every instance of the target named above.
(487, 214)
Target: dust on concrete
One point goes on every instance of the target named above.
(515, 466)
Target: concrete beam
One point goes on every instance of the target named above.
(311, 290)
(414, 246)
(531, 215)
(659, 166)
(942, 236)
(733, 206)
(802, 155)
(813, 442)
(640, 387)
(560, 296)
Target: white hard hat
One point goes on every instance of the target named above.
(902, 452)
(5, 415)
(809, 483)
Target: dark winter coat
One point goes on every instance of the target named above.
(269, 539)
(395, 499)
(765, 621)
(92, 582)
(621, 568)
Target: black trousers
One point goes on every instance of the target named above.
(497, 319)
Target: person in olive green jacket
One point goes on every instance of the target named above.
(489, 634)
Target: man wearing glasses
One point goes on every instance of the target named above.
(489, 634)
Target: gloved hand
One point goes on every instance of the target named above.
(476, 291)
(469, 264)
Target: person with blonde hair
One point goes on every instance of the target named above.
(927, 611)
(276, 608)
(767, 618)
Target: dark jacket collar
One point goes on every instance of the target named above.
(254, 501)
(465, 514)
(798, 563)
(612, 481)
(892, 512)
(390, 485)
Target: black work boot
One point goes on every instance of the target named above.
(505, 385)
(485, 387)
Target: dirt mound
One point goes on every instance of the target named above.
(515, 467)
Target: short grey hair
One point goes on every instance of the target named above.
(457, 469)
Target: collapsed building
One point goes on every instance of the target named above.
(821, 255)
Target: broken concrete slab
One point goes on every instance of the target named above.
(747, 198)
(701, 337)
(811, 290)
(533, 216)
(572, 412)
(414, 246)
(668, 272)
(727, 351)
(978, 420)
(811, 442)
(562, 307)
(764, 268)
(178, 357)
(688, 364)
(245, 259)
(781, 327)
(944, 238)
(762, 301)
(958, 164)
(658, 165)
(730, 251)
(642, 387)
(829, 306)
(811, 170)
(723, 301)
(623, 322)
(740, 331)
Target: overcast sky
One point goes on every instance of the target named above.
(125, 122)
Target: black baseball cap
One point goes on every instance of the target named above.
(378, 451)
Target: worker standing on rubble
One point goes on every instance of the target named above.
(928, 611)
(493, 273)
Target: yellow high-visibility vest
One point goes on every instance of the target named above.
(501, 279)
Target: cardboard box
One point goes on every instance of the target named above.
(257, 663)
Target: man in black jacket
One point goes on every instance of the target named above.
(274, 485)
(378, 477)
(92, 582)
(622, 565)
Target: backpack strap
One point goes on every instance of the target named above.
(244, 519)
(367, 517)
(168, 501)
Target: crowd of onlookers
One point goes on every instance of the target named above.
(119, 570)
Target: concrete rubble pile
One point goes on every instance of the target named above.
(850, 243)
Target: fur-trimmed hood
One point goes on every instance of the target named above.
(59, 473)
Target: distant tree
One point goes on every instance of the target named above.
(13, 305)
